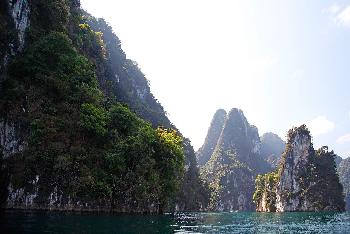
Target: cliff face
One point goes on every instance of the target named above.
(305, 181)
(213, 135)
(122, 78)
(64, 81)
(14, 17)
(234, 164)
(344, 176)
(272, 147)
(296, 161)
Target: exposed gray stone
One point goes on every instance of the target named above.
(10, 141)
(20, 11)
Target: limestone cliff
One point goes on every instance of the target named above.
(234, 164)
(63, 77)
(305, 181)
(211, 140)
(123, 79)
(14, 17)
(344, 176)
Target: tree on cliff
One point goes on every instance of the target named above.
(306, 180)
(84, 148)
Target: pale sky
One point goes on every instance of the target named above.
(282, 62)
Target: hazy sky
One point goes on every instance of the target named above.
(282, 62)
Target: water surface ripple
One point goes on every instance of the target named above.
(238, 222)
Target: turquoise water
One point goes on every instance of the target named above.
(241, 222)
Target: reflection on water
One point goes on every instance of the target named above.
(240, 222)
(251, 222)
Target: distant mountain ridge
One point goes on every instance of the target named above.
(272, 147)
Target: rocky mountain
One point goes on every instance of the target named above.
(344, 176)
(338, 160)
(79, 126)
(272, 147)
(128, 84)
(213, 135)
(305, 181)
(234, 163)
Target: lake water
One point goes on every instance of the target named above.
(240, 222)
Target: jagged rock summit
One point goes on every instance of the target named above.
(213, 135)
(234, 161)
(306, 179)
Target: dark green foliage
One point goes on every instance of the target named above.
(328, 189)
(122, 78)
(266, 185)
(194, 194)
(48, 15)
(65, 93)
(93, 119)
(123, 119)
(84, 149)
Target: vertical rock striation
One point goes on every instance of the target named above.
(305, 181)
(344, 176)
(17, 16)
(234, 164)
(19, 11)
(211, 140)
(296, 160)
(10, 141)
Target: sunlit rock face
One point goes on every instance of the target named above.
(296, 160)
(211, 140)
(306, 180)
(344, 176)
(234, 162)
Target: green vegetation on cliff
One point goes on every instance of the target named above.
(84, 147)
(306, 180)
(265, 186)
(231, 154)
